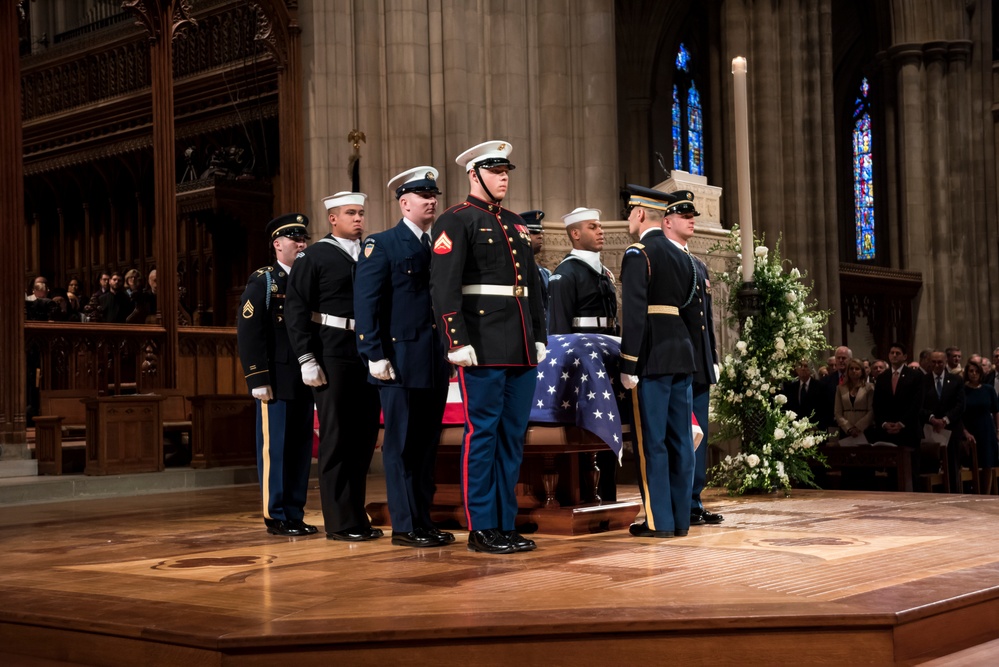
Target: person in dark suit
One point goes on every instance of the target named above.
(487, 297)
(678, 225)
(658, 281)
(584, 300)
(898, 400)
(114, 303)
(943, 408)
(398, 340)
(320, 319)
(284, 403)
(532, 220)
(805, 395)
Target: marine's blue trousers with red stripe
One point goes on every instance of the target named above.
(497, 408)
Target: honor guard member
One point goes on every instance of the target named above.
(679, 228)
(487, 297)
(584, 300)
(583, 297)
(398, 340)
(320, 317)
(532, 220)
(658, 281)
(284, 403)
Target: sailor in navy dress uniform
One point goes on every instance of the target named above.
(284, 403)
(487, 298)
(398, 340)
(582, 293)
(320, 319)
(532, 220)
(679, 228)
(658, 281)
(583, 299)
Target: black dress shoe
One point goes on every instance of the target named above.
(679, 532)
(301, 525)
(416, 538)
(702, 516)
(643, 530)
(285, 528)
(489, 541)
(442, 535)
(362, 534)
(518, 541)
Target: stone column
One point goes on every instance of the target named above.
(14, 456)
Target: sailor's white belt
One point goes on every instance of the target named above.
(333, 321)
(495, 290)
(594, 322)
(664, 310)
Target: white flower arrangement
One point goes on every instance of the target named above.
(778, 448)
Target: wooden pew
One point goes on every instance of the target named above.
(63, 415)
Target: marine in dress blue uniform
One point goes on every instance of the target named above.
(320, 319)
(657, 360)
(487, 298)
(284, 403)
(700, 323)
(398, 340)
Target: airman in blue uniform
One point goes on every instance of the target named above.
(284, 403)
(397, 338)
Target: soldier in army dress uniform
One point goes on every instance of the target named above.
(678, 226)
(320, 316)
(659, 280)
(487, 297)
(284, 403)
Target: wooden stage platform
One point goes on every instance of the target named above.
(191, 578)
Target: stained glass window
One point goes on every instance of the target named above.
(863, 175)
(695, 132)
(687, 117)
(677, 132)
(683, 59)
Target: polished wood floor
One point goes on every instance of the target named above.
(191, 578)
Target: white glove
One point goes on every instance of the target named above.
(263, 393)
(381, 370)
(463, 356)
(629, 381)
(312, 374)
(542, 351)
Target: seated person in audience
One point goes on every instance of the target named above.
(103, 285)
(981, 418)
(38, 307)
(114, 303)
(854, 402)
(151, 292)
(878, 366)
(806, 396)
(942, 410)
(135, 288)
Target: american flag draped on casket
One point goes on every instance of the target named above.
(578, 383)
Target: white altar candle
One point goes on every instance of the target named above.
(742, 168)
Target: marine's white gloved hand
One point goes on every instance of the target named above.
(463, 356)
(312, 374)
(717, 372)
(263, 393)
(629, 381)
(381, 370)
(542, 351)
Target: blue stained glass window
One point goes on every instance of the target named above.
(863, 176)
(683, 59)
(687, 118)
(695, 132)
(677, 132)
